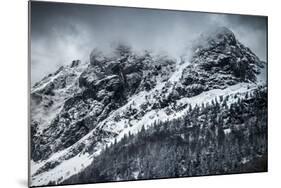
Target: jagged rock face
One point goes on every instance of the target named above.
(47, 99)
(84, 106)
(100, 87)
(219, 60)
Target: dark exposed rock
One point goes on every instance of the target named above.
(36, 98)
(48, 89)
(97, 58)
(218, 61)
(75, 63)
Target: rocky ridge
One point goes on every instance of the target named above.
(83, 107)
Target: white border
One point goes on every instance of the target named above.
(13, 95)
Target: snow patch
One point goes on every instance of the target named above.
(63, 171)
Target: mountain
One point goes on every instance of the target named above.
(86, 107)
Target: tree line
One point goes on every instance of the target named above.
(215, 138)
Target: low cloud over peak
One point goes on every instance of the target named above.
(62, 32)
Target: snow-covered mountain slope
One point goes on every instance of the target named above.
(83, 107)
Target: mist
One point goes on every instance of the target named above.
(63, 32)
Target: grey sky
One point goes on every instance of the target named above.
(62, 32)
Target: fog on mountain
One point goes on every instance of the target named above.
(128, 115)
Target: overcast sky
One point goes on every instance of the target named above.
(63, 32)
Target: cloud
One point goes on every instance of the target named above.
(63, 32)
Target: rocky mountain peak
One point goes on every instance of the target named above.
(219, 60)
(220, 36)
(82, 107)
(223, 52)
